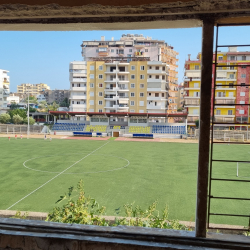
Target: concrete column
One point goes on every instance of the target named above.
(204, 135)
(54, 119)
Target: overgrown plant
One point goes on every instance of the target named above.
(85, 210)
(18, 215)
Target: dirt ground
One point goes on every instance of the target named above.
(41, 136)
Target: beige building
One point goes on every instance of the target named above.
(33, 89)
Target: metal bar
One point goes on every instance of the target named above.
(218, 179)
(237, 65)
(230, 104)
(236, 45)
(231, 161)
(222, 142)
(212, 137)
(204, 135)
(230, 198)
(234, 85)
(222, 228)
(233, 24)
(231, 123)
(237, 215)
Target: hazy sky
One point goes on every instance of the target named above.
(44, 57)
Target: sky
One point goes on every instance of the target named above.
(44, 57)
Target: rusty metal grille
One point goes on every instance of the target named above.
(214, 161)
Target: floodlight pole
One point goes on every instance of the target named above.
(28, 114)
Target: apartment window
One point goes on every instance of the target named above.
(100, 85)
(142, 67)
(242, 102)
(100, 102)
(196, 67)
(132, 94)
(220, 58)
(102, 49)
(78, 102)
(130, 50)
(132, 67)
(132, 110)
(100, 110)
(141, 86)
(231, 76)
(231, 85)
(73, 102)
(141, 94)
(73, 85)
(242, 84)
(92, 67)
(141, 103)
(230, 112)
(163, 68)
(163, 77)
(91, 76)
(142, 76)
(162, 94)
(243, 67)
(157, 68)
(244, 58)
(91, 85)
(146, 50)
(132, 103)
(243, 75)
(219, 68)
(217, 112)
(132, 76)
(150, 67)
(78, 85)
(132, 85)
(112, 51)
(91, 102)
(232, 58)
(196, 94)
(196, 85)
(156, 94)
(100, 93)
(241, 111)
(100, 67)
(231, 67)
(100, 76)
(157, 77)
(97, 50)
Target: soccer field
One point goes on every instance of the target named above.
(35, 172)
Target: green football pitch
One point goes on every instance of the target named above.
(35, 172)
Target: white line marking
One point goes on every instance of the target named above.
(95, 172)
(55, 176)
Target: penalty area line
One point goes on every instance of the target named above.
(56, 176)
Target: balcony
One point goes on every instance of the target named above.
(150, 71)
(193, 118)
(111, 97)
(156, 80)
(192, 88)
(78, 88)
(221, 101)
(78, 106)
(190, 102)
(156, 90)
(224, 97)
(225, 88)
(153, 98)
(77, 97)
(155, 107)
(79, 80)
(224, 119)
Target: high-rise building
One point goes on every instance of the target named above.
(4, 88)
(234, 73)
(33, 89)
(127, 75)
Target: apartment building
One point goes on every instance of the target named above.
(236, 72)
(127, 75)
(56, 95)
(4, 88)
(33, 89)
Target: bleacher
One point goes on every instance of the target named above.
(117, 127)
(96, 128)
(139, 129)
(165, 129)
(68, 127)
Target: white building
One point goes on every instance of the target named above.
(40, 98)
(13, 99)
(4, 89)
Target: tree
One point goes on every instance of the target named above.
(43, 106)
(21, 112)
(14, 106)
(4, 118)
(197, 123)
(32, 99)
(179, 109)
(32, 121)
(65, 103)
(53, 107)
(17, 119)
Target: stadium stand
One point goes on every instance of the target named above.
(68, 127)
(86, 134)
(165, 129)
(96, 128)
(145, 136)
(139, 129)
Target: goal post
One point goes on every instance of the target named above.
(233, 137)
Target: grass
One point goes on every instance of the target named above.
(165, 172)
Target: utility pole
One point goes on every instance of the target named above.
(28, 115)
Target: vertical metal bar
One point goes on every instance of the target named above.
(204, 135)
(212, 130)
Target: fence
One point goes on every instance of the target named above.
(20, 129)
